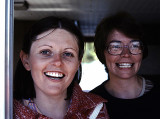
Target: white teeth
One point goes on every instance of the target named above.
(125, 65)
(54, 74)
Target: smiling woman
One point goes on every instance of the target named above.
(51, 57)
(119, 46)
(48, 72)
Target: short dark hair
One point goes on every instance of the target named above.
(23, 82)
(123, 22)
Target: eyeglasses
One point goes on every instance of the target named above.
(116, 47)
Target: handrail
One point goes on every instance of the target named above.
(9, 60)
(6, 58)
(2, 60)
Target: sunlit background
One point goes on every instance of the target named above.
(93, 72)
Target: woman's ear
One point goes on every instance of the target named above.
(25, 60)
(79, 63)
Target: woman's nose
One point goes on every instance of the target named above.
(57, 60)
(125, 52)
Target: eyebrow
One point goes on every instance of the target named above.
(117, 41)
(71, 49)
(45, 45)
(52, 47)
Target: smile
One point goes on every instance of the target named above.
(54, 75)
(124, 65)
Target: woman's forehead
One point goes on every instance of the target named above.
(56, 37)
(116, 35)
(44, 34)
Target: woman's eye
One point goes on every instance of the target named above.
(46, 52)
(115, 47)
(135, 46)
(68, 54)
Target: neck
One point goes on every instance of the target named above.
(124, 88)
(52, 107)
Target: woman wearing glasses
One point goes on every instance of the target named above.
(118, 45)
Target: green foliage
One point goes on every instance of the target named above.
(89, 54)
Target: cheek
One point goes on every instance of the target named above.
(36, 64)
(138, 59)
(110, 60)
(35, 68)
(73, 68)
(138, 62)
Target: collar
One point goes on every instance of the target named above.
(81, 101)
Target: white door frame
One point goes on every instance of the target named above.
(6, 59)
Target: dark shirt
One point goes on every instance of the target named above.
(145, 107)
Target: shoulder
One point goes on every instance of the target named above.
(99, 89)
(156, 87)
(97, 105)
(21, 111)
(94, 97)
(83, 104)
(83, 100)
(154, 82)
(154, 79)
(152, 88)
(86, 96)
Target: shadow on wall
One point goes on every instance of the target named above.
(151, 65)
(20, 28)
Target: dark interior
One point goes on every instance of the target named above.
(88, 14)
